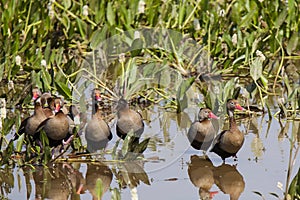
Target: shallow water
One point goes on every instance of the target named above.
(262, 165)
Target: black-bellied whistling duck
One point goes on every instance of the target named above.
(97, 132)
(229, 142)
(96, 98)
(229, 180)
(202, 132)
(128, 120)
(46, 100)
(201, 174)
(56, 127)
(30, 124)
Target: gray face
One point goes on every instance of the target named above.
(204, 114)
(122, 103)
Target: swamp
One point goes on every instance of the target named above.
(168, 59)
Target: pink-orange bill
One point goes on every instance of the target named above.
(212, 115)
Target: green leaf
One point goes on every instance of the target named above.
(280, 19)
(67, 4)
(7, 125)
(20, 143)
(136, 47)
(48, 51)
(115, 194)
(7, 152)
(98, 36)
(294, 188)
(256, 69)
(44, 138)
(292, 44)
(114, 153)
(181, 12)
(181, 94)
(63, 89)
(141, 147)
(46, 79)
(99, 188)
(110, 14)
(81, 26)
(126, 144)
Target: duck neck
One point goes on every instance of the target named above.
(232, 123)
(95, 106)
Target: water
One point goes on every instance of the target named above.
(262, 165)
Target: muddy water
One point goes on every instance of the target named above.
(173, 169)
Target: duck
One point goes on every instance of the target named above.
(229, 180)
(128, 120)
(202, 132)
(31, 123)
(45, 99)
(229, 142)
(97, 132)
(56, 127)
(200, 171)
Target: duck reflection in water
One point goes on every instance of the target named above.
(203, 174)
(200, 172)
(57, 181)
(94, 173)
(229, 180)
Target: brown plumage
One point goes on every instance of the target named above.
(56, 127)
(30, 124)
(229, 180)
(229, 142)
(202, 132)
(97, 132)
(45, 100)
(200, 172)
(128, 120)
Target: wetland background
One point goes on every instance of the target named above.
(172, 56)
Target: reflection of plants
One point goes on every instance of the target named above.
(294, 188)
(131, 148)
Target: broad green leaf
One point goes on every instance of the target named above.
(46, 79)
(181, 93)
(294, 188)
(7, 125)
(99, 188)
(48, 51)
(264, 81)
(141, 147)
(63, 89)
(7, 152)
(126, 144)
(136, 47)
(20, 143)
(115, 194)
(114, 153)
(256, 69)
(81, 26)
(67, 4)
(110, 14)
(292, 44)
(181, 15)
(98, 36)
(280, 19)
(1, 71)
